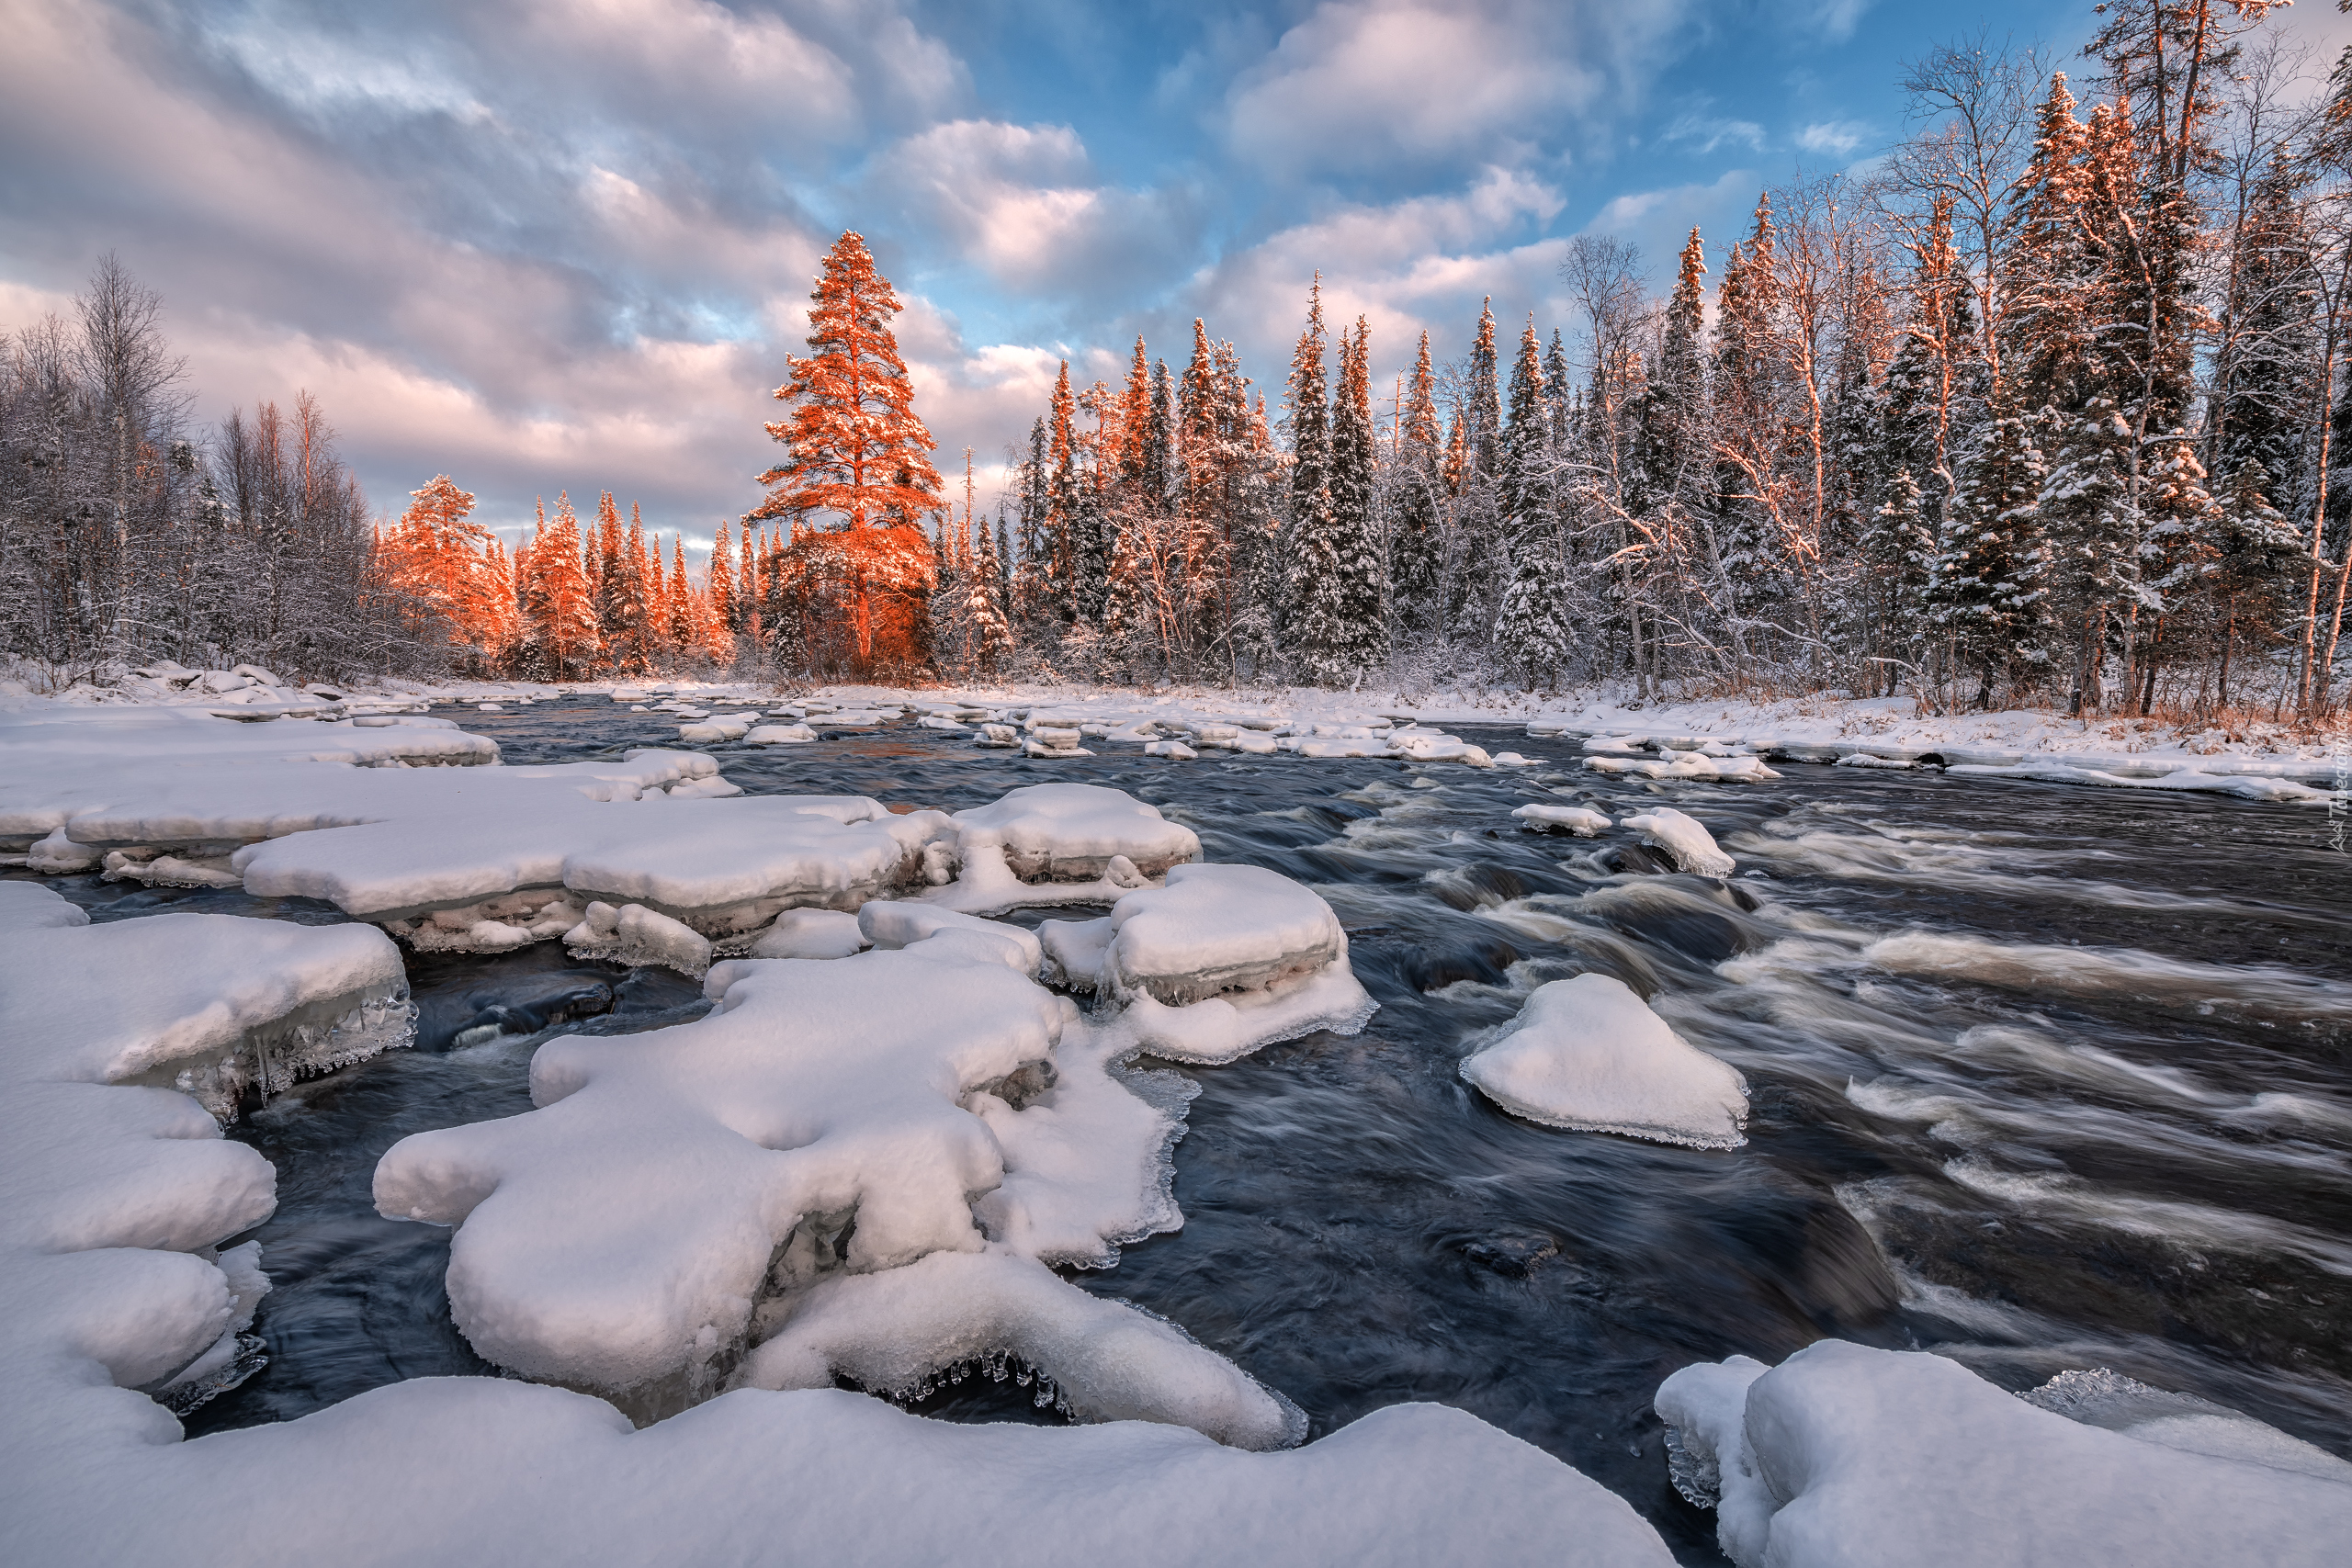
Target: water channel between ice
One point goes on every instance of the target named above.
(2026, 1158)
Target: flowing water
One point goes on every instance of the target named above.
(2042, 1076)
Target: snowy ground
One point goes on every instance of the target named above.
(867, 1164)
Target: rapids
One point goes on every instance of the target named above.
(2041, 1078)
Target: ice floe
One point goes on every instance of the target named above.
(1589, 1054)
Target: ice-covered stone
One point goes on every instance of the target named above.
(895, 1332)
(1541, 817)
(1215, 930)
(1587, 1054)
(636, 935)
(779, 735)
(1069, 832)
(1692, 847)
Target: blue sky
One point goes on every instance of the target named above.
(544, 247)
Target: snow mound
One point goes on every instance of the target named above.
(888, 924)
(1581, 820)
(809, 933)
(1847, 1455)
(1587, 1055)
(898, 1332)
(214, 1006)
(1215, 930)
(1692, 847)
(617, 1237)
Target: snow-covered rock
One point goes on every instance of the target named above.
(1215, 930)
(1692, 847)
(1174, 750)
(1581, 820)
(890, 924)
(779, 735)
(896, 1331)
(214, 1006)
(809, 933)
(635, 935)
(618, 1236)
(1848, 1455)
(1589, 1054)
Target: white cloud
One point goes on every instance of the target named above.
(1706, 132)
(1363, 85)
(1837, 138)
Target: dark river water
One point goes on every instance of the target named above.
(2028, 1159)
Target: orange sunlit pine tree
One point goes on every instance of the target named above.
(856, 450)
(563, 632)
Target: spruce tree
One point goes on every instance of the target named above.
(1985, 592)
(1360, 583)
(1530, 629)
(1306, 624)
(1417, 544)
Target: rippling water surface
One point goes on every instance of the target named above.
(2042, 1078)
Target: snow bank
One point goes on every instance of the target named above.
(1848, 1455)
(1581, 820)
(1692, 847)
(108, 1285)
(1587, 1054)
(214, 1006)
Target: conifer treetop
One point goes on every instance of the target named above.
(857, 448)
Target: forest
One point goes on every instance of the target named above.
(2046, 406)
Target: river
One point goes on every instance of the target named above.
(2099, 1114)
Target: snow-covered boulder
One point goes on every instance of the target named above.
(809, 933)
(635, 935)
(779, 735)
(1215, 930)
(1589, 1054)
(618, 1236)
(1538, 817)
(889, 923)
(1692, 847)
(214, 1006)
(896, 1331)
(1174, 750)
(1065, 833)
(1223, 960)
(1844, 1455)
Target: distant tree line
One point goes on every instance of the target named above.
(126, 535)
(2052, 408)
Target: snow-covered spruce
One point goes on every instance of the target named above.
(1848, 1455)
(1587, 1055)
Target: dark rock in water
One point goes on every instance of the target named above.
(522, 1005)
(1641, 859)
(1486, 963)
(1477, 885)
(1513, 1256)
